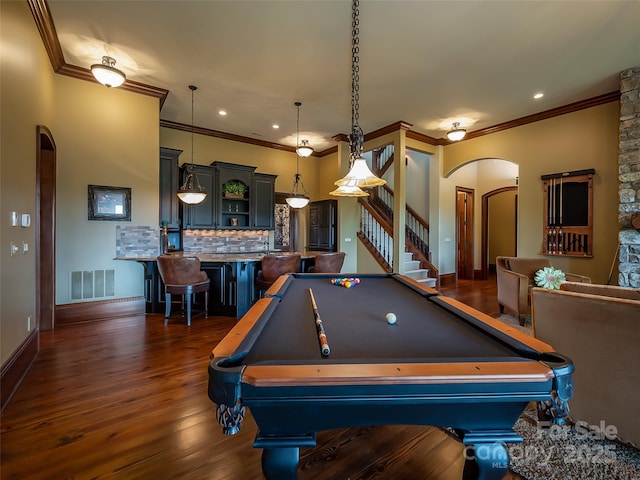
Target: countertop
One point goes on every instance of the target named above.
(226, 257)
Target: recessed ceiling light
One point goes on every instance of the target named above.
(275, 126)
(222, 113)
(538, 95)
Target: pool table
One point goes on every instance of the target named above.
(442, 363)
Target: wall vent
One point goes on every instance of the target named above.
(92, 284)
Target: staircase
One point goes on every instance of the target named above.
(376, 228)
(412, 269)
(376, 234)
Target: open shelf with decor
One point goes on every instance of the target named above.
(235, 204)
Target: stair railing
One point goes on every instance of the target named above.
(382, 159)
(377, 235)
(417, 228)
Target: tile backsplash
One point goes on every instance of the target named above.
(224, 241)
(137, 242)
(144, 241)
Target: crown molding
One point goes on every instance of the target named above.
(46, 27)
(226, 136)
(44, 22)
(536, 117)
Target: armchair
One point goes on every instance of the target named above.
(515, 279)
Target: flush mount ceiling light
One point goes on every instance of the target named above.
(107, 74)
(302, 148)
(191, 192)
(457, 132)
(295, 199)
(359, 175)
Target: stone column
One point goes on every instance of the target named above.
(629, 175)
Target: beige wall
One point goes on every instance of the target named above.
(27, 98)
(502, 232)
(104, 137)
(575, 141)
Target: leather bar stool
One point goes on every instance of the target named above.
(182, 276)
(327, 263)
(273, 266)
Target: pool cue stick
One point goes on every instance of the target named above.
(322, 336)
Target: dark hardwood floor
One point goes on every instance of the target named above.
(127, 399)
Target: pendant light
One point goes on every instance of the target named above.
(191, 192)
(295, 199)
(107, 74)
(359, 176)
(456, 133)
(348, 191)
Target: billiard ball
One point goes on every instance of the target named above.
(391, 318)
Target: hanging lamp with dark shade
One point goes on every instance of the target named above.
(296, 198)
(191, 192)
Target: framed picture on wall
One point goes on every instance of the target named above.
(109, 203)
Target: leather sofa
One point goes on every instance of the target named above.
(598, 327)
(515, 277)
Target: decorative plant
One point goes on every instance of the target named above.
(550, 278)
(234, 187)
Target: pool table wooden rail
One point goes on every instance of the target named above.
(396, 374)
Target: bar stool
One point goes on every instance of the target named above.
(275, 265)
(327, 263)
(182, 276)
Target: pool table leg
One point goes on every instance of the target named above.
(280, 463)
(280, 454)
(485, 461)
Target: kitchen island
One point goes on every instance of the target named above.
(232, 275)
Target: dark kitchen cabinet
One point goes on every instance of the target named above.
(218, 273)
(245, 293)
(255, 209)
(263, 201)
(169, 184)
(323, 228)
(204, 214)
(233, 289)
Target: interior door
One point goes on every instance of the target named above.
(464, 233)
(45, 227)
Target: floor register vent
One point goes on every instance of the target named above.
(92, 284)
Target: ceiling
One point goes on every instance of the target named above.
(424, 62)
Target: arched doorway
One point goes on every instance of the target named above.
(45, 227)
(486, 177)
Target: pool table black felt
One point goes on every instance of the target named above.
(357, 331)
(443, 364)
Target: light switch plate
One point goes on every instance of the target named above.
(14, 219)
(26, 220)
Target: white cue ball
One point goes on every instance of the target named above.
(391, 318)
